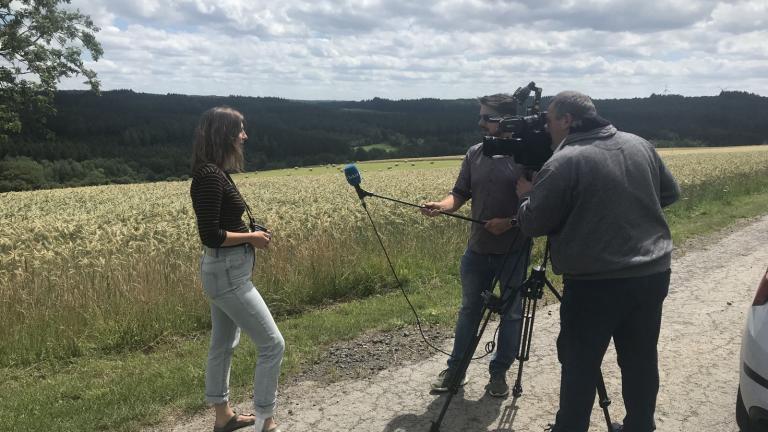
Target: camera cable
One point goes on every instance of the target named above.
(489, 346)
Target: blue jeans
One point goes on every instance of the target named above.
(477, 275)
(235, 304)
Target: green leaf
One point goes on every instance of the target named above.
(40, 44)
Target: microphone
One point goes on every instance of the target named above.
(354, 178)
(353, 175)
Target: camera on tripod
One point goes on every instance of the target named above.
(522, 136)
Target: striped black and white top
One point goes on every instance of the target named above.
(218, 206)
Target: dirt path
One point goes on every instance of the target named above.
(704, 314)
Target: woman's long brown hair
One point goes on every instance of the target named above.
(216, 137)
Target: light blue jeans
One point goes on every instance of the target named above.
(235, 304)
(477, 275)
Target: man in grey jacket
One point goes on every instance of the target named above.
(599, 198)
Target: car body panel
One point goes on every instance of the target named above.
(753, 365)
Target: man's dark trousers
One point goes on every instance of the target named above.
(593, 311)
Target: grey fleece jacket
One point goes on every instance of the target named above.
(599, 199)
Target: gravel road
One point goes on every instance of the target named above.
(712, 287)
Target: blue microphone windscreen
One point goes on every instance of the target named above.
(352, 174)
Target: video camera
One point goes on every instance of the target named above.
(522, 136)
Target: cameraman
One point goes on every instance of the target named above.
(599, 199)
(488, 182)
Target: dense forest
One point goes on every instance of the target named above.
(122, 136)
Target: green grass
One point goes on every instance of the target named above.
(106, 390)
(124, 392)
(706, 208)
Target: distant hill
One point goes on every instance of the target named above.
(124, 136)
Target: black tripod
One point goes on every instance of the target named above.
(530, 291)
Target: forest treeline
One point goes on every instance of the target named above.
(122, 136)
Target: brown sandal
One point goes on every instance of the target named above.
(234, 423)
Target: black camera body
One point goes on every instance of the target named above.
(256, 227)
(522, 136)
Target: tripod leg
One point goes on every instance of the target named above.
(526, 337)
(604, 401)
(461, 370)
(551, 287)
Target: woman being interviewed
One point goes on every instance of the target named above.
(226, 269)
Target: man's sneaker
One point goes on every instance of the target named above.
(443, 381)
(497, 385)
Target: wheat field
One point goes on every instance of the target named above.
(115, 267)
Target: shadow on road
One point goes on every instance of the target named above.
(485, 414)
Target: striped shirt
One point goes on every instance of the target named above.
(218, 206)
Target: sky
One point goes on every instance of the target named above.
(447, 49)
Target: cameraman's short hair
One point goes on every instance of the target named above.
(578, 105)
(502, 103)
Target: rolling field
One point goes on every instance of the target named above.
(103, 325)
(115, 268)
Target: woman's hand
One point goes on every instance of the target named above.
(260, 239)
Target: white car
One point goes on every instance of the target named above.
(752, 397)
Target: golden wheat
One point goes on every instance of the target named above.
(75, 259)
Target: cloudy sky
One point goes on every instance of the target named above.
(360, 49)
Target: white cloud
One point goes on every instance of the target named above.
(359, 49)
(741, 16)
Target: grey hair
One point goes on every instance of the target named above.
(578, 105)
